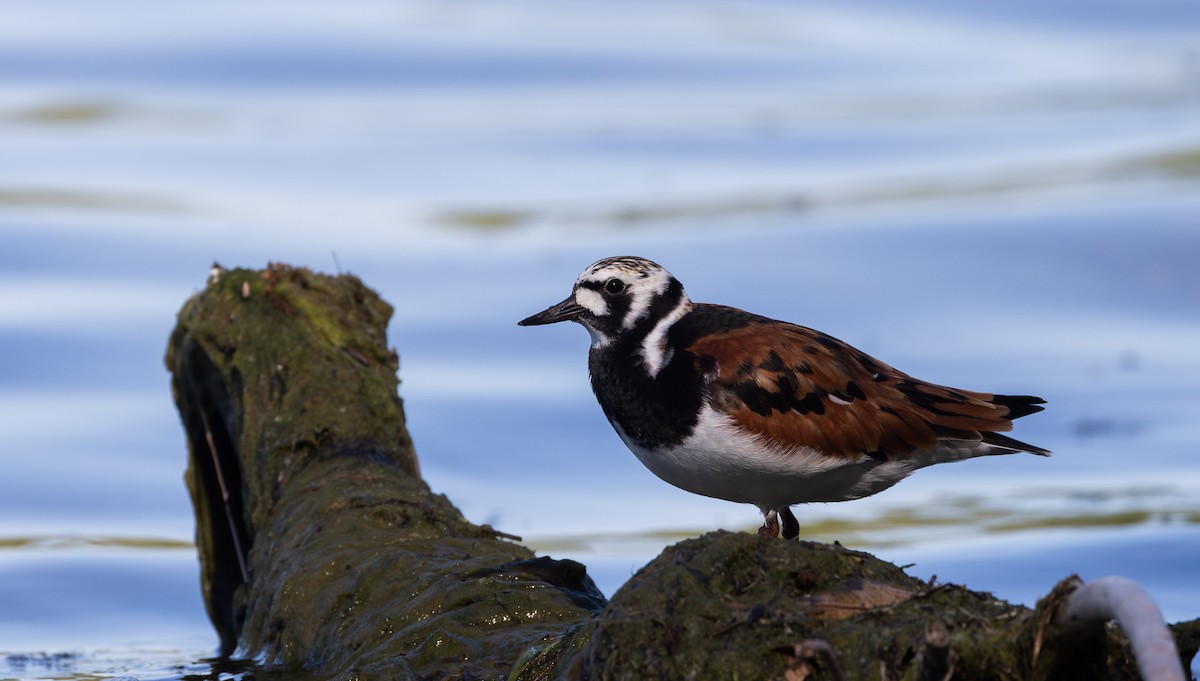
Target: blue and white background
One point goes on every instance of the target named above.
(1000, 196)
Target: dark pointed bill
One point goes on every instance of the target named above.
(566, 311)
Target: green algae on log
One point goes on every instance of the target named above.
(334, 555)
(323, 552)
(732, 605)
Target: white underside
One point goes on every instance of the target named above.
(722, 462)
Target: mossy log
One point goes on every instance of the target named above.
(322, 549)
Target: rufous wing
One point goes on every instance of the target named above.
(798, 387)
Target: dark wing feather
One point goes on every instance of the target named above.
(796, 386)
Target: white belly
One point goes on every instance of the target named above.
(719, 461)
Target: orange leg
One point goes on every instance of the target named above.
(770, 526)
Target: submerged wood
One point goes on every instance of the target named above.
(322, 551)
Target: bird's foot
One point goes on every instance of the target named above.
(770, 526)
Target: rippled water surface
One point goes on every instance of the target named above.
(997, 196)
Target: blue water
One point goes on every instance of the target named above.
(998, 196)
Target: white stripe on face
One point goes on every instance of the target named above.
(592, 301)
(599, 339)
(642, 293)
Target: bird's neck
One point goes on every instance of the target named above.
(644, 383)
(647, 341)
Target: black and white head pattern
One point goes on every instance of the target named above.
(631, 298)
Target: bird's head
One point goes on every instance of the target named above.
(615, 296)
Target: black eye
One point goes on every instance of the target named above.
(614, 286)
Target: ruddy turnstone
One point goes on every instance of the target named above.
(732, 405)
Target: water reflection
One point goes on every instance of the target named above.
(999, 196)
